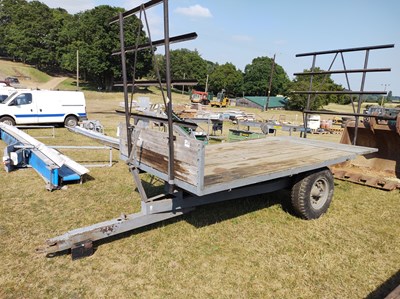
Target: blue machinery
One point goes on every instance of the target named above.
(24, 151)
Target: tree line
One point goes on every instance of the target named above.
(49, 39)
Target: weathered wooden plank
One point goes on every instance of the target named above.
(185, 149)
(253, 153)
(282, 158)
(152, 149)
(227, 172)
(183, 171)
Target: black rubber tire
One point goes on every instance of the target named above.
(8, 120)
(71, 121)
(312, 194)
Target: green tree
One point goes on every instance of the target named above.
(320, 83)
(31, 34)
(9, 10)
(30, 31)
(257, 76)
(389, 96)
(226, 77)
(188, 64)
(90, 33)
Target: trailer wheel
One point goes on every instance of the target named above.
(312, 194)
(8, 120)
(71, 121)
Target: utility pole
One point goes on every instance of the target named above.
(270, 84)
(383, 97)
(206, 84)
(77, 69)
(183, 86)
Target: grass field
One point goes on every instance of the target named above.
(28, 75)
(248, 248)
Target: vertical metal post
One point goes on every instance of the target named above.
(360, 96)
(383, 96)
(77, 69)
(171, 170)
(125, 82)
(348, 82)
(270, 83)
(309, 97)
(183, 86)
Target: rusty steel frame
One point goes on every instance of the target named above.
(361, 92)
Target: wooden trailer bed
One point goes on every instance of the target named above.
(205, 169)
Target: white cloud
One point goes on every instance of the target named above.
(156, 25)
(242, 38)
(194, 11)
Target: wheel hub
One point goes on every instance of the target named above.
(319, 193)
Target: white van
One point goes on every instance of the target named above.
(43, 106)
(5, 92)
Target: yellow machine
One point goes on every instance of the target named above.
(221, 101)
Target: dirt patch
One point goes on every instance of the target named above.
(52, 83)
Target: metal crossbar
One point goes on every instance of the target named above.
(360, 93)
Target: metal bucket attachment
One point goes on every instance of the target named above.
(380, 169)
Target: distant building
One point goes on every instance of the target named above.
(275, 103)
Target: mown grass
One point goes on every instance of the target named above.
(23, 71)
(247, 248)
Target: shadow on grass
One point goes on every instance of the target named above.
(386, 288)
(106, 112)
(212, 213)
(218, 212)
(204, 215)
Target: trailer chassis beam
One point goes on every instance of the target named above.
(153, 210)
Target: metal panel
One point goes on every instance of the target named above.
(45, 168)
(200, 172)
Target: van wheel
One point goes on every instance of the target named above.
(312, 194)
(7, 120)
(71, 121)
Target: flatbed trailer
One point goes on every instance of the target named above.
(205, 169)
(212, 173)
(197, 174)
